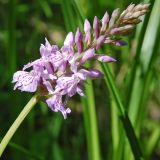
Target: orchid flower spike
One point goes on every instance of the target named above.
(60, 73)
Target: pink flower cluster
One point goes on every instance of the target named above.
(60, 73)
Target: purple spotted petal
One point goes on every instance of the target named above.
(73, 62)
(31, 64)
(56, 104)
(80, 90)
(26, 81)
(67, 52)
(48, 86)
(68, 84)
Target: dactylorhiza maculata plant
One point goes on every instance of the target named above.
(60, 73)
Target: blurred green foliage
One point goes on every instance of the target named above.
(46, 135)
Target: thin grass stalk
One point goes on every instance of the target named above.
(117, 134)
(152, 142)
(110, 83)
(147, 81)
(91, 120)
(68, 15)
(78, 8)
(123, 115)
(17, 123)
(141, 84)
(11, 52)
(135, 101)
(24, 150)
(46, 8)
(137, 57)
(87, 127)
(115, 130)
(89, 107)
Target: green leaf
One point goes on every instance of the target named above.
(123, 115)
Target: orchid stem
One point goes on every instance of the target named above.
(17, 123)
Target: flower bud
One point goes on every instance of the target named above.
(130, 7)
(136, 14)
(114, 16)
(104, 20)
(69, 41)
(92, 73)
(105, 58)
(131, 21)
(121, 29)
(128, 15)
(119, 43)
(87, 28)
(96, 26)
(78, 40)
(138, 7)
(145, 6)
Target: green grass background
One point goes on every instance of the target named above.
(120, 117)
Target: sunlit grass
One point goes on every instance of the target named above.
(132, 127)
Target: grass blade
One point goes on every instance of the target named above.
(149, 71)
(137, 57)
(123, 115)
(90, 119)
(140, 82)
(153, 141)
(46, 8)
(24, 150)
(117, 134)
(93, 121)
(68, 15)
(11, 52)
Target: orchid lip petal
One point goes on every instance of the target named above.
(48, 86)
(56, 104)
(26, 81)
